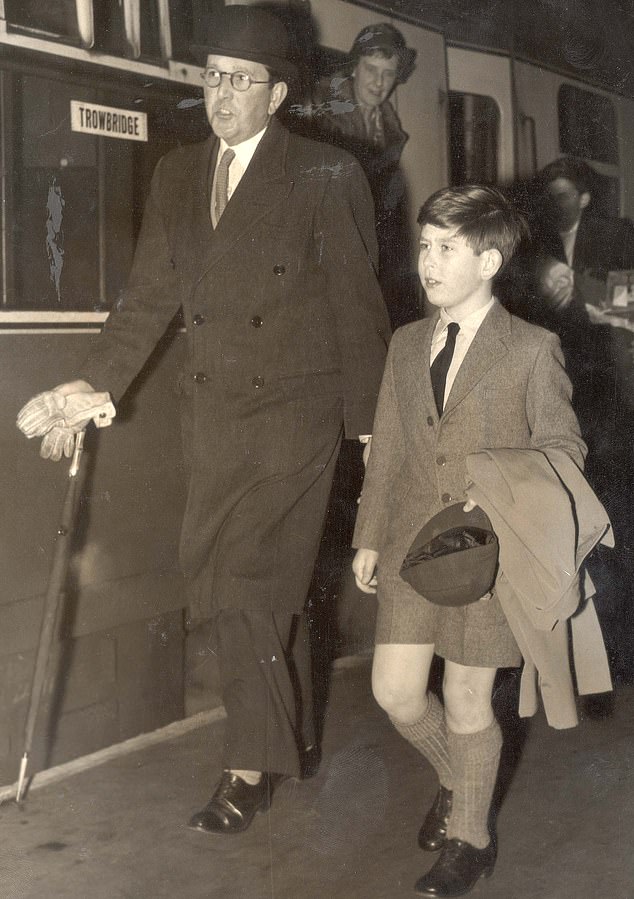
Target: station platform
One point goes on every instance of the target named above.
(118, 830)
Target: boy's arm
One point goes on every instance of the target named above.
(384, 464)
(551, 417)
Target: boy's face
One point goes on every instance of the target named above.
(453, 276)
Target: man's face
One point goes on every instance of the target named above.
(453, 276)
(566, 203)
(238, 115)
(374, 77)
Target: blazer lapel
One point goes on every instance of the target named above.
(418, 374)
(487, 348)
(263, 186)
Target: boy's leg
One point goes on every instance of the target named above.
(399, 680)
(474, 742)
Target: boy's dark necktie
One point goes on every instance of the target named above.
(440, 366)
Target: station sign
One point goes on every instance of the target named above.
(108, 121)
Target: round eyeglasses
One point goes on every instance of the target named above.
(240, 81)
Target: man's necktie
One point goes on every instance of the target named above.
(440, 366)
(222, 184)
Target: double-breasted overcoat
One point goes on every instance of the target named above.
(286, 335)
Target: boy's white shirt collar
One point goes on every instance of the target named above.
(469, 325)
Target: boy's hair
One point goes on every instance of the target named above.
(478, 213)
(572, 169)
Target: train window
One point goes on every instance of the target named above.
(52, 20)
(75, 199)
(474, 127)
(587, 125)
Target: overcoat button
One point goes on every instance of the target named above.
(279, 269)
(440, 460)
(200, 377)
(430, 420)
(446, 497)
(198, 320)
(258, 382)
(256, 321)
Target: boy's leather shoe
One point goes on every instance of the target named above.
(457, 870)
(233, 805)
(433, 833)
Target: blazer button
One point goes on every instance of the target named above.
(198, 320)
(279, 269)
(440, 460)
(200, 377)
(256, 321)
(258, 382)
(430, 421)
(446, 497)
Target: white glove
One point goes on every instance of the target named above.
(70, 406)
(58, 442)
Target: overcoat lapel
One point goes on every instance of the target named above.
(193, 234)
(263, 186)
(487, 348)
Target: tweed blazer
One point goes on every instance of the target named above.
(510, 391)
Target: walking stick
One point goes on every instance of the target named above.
(57, 579)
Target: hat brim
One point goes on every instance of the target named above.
(279, 64)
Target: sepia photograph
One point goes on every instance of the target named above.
(318, 545)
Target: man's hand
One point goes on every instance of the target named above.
(364, 565)
(556, 283)
(469, 506)
(69, 406)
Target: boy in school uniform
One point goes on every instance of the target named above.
(471, 377)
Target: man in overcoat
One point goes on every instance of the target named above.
(266, 240)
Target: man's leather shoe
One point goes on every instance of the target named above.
(457, 870)
(233, 805)
(433, 833)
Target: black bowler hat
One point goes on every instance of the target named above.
(453, 559)
(247, 32)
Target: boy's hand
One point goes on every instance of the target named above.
(469, 506)
(364, 566)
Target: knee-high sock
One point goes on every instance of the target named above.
(429, 736)
(474, 761)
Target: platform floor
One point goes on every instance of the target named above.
(566, 825)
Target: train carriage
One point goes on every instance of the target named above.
(92, 93)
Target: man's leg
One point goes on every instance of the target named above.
(474, 741)
(261, 705)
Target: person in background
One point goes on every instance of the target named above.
(267, 242)
(351, 108)
(565, 272)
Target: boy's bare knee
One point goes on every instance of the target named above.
(399, 700)
(467, 708)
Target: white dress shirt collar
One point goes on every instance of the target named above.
(244, 151)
